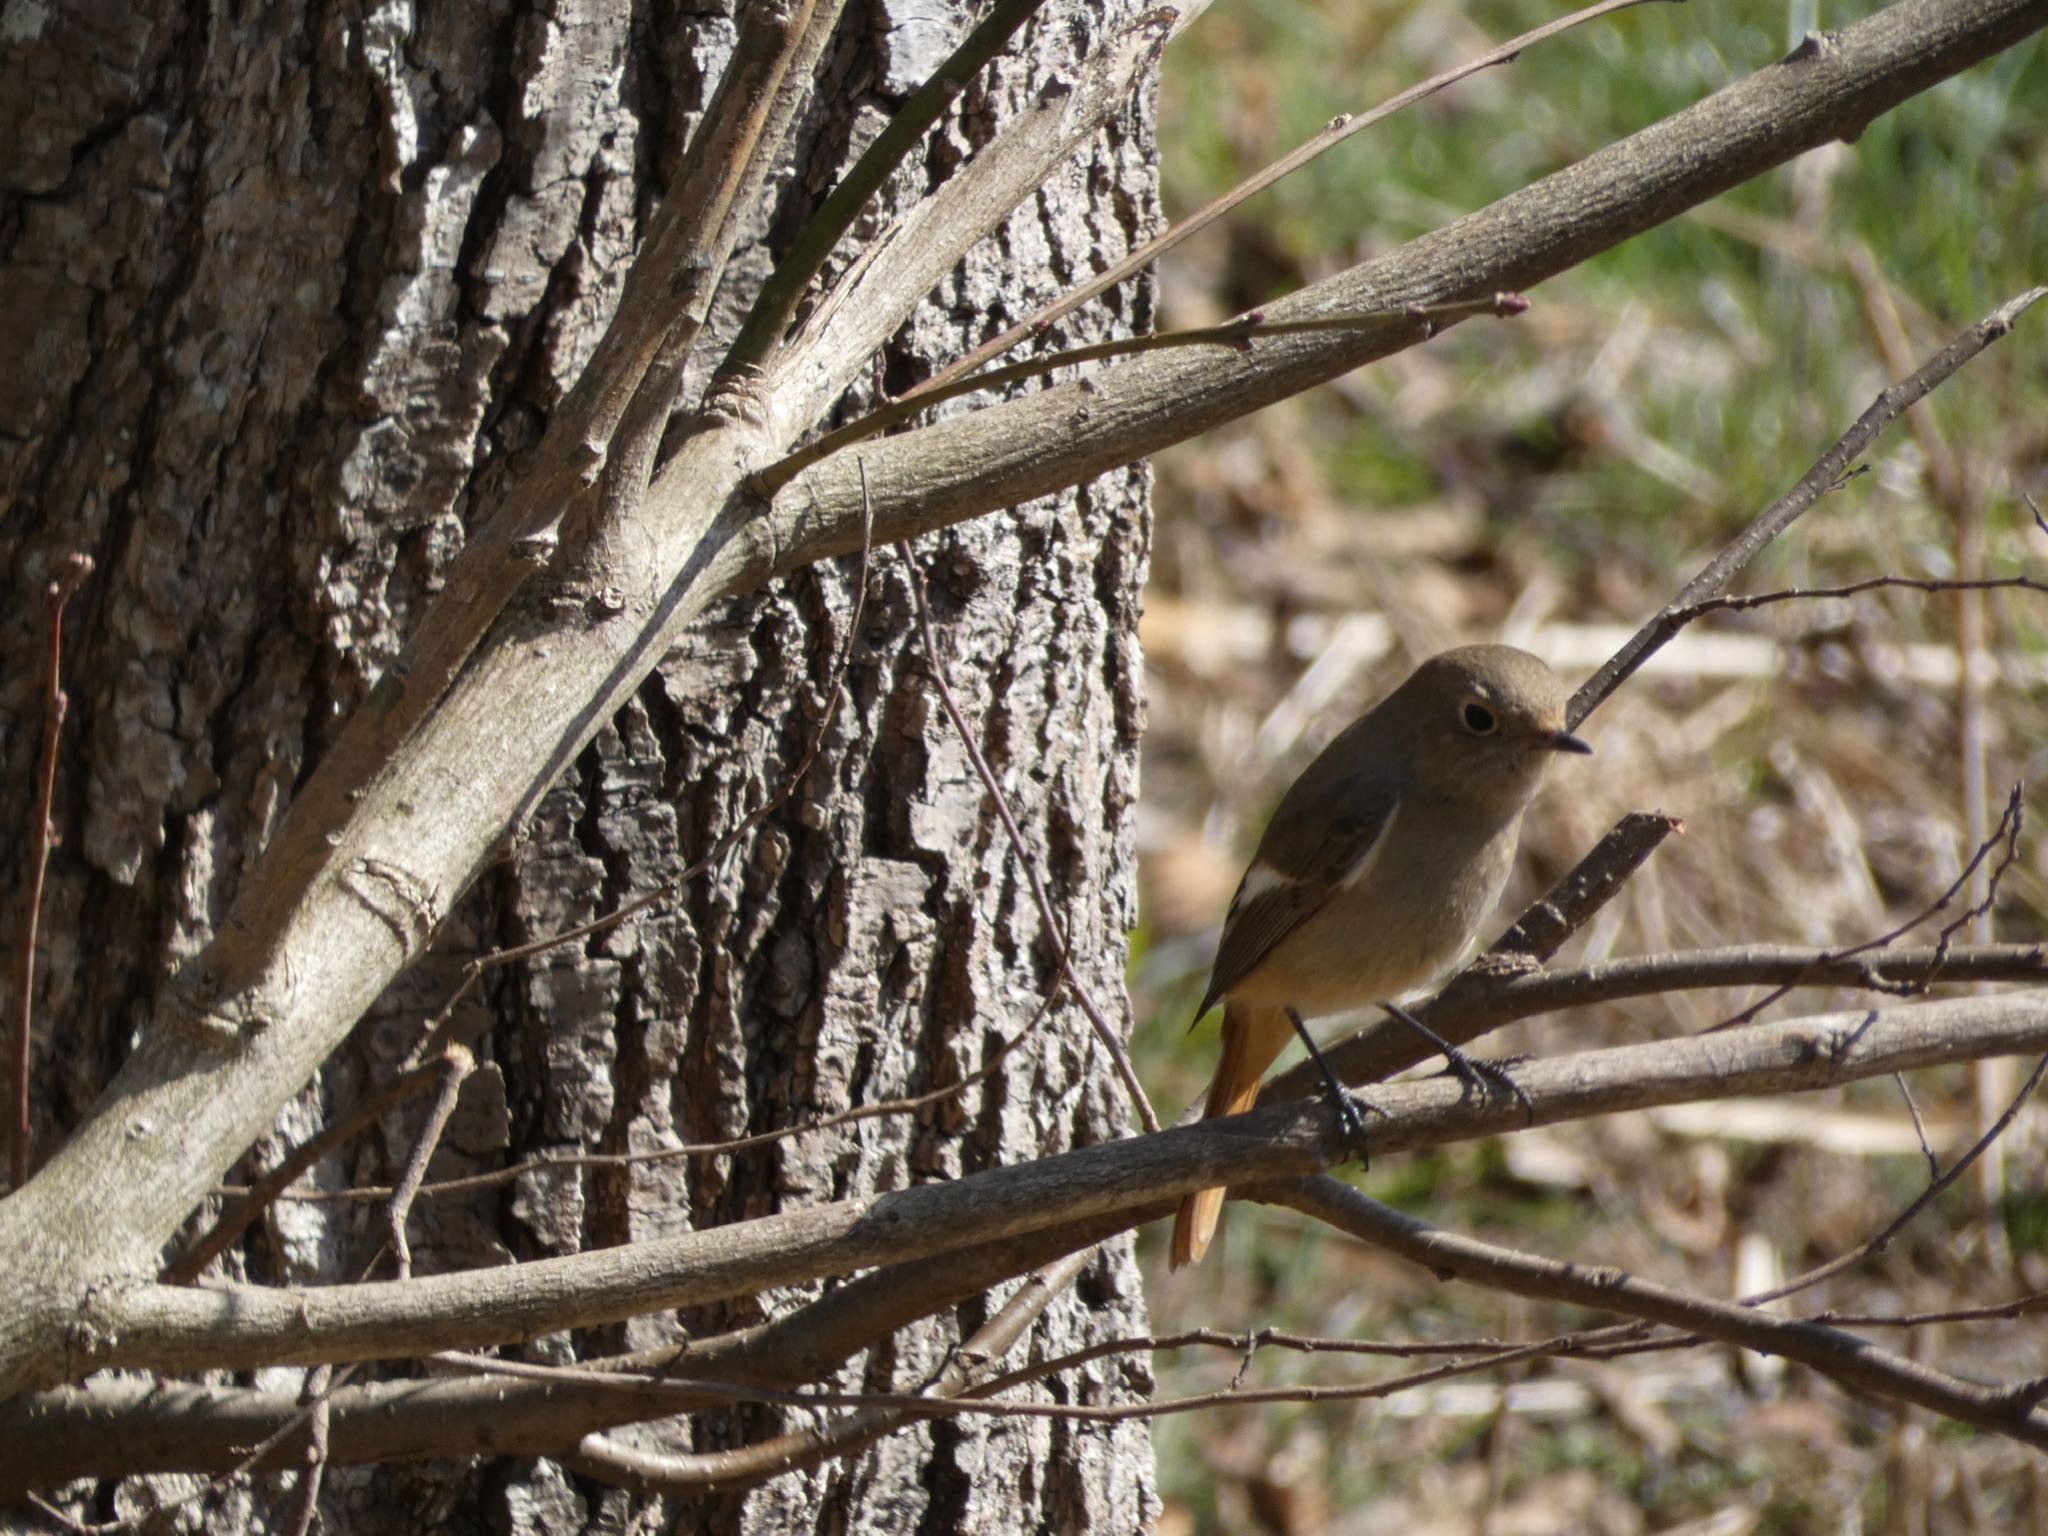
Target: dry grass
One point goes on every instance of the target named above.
(1550, 481)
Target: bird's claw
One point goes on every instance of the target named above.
(1484, 1078)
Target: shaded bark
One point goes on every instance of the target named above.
(300, 288)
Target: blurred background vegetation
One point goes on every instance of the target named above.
(1550, 480)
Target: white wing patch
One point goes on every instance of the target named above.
(1363, 867)
(1261, 879)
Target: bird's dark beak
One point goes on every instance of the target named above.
(1565, 741)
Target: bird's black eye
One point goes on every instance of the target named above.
(1479, 720)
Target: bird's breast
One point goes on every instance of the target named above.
(1403, 924)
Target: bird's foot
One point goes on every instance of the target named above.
(1484, 1078)
(1350, 1106)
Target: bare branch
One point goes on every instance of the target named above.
(133, 1424)
(313, 1397)
(871, 300)
(1843, 1357)
(998, 457)
(456, 1065)
(1340, 128)
(2008, 831)
(1726, 604)
(777, 301)
(1236, 335)
(168, 1328)
(1941, 1181)
(744, 1466)
(1492, 1000)
(1827, 473)
(354, 884)
(258, 1197)
(71, 574)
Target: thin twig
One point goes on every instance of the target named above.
(1919, 1126)
(744, 1466)
(1492, 996)
(1469, 1355)
(255, 1198)
(335, 1376)
(1975, 917)
(434, 1038)
(1879, 1243)
(1952, 488)
(2007, 831)
(969, 1404)
(71, 573)
(1022, 848)
(1339, 129)
(777, 301)
(550, 1162)
(1236, 335)
(1247, 1344)
(670, 888)
(1852, 1361)
(1826, 474)
(456, 1066)
(1926, 1197)
(978, 1400)
(1244, 1361)
(1999, 1312)
(1691, 611)
(314, 1397)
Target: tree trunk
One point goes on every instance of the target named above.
(291, 291)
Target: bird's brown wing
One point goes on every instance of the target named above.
(1308, 851)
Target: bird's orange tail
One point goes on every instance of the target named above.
(1252, 1037)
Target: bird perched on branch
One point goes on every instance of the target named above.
(1379, 866)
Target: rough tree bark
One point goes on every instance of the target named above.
(189, 466)
(290, 291)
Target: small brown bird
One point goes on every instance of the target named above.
(1379, 866)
